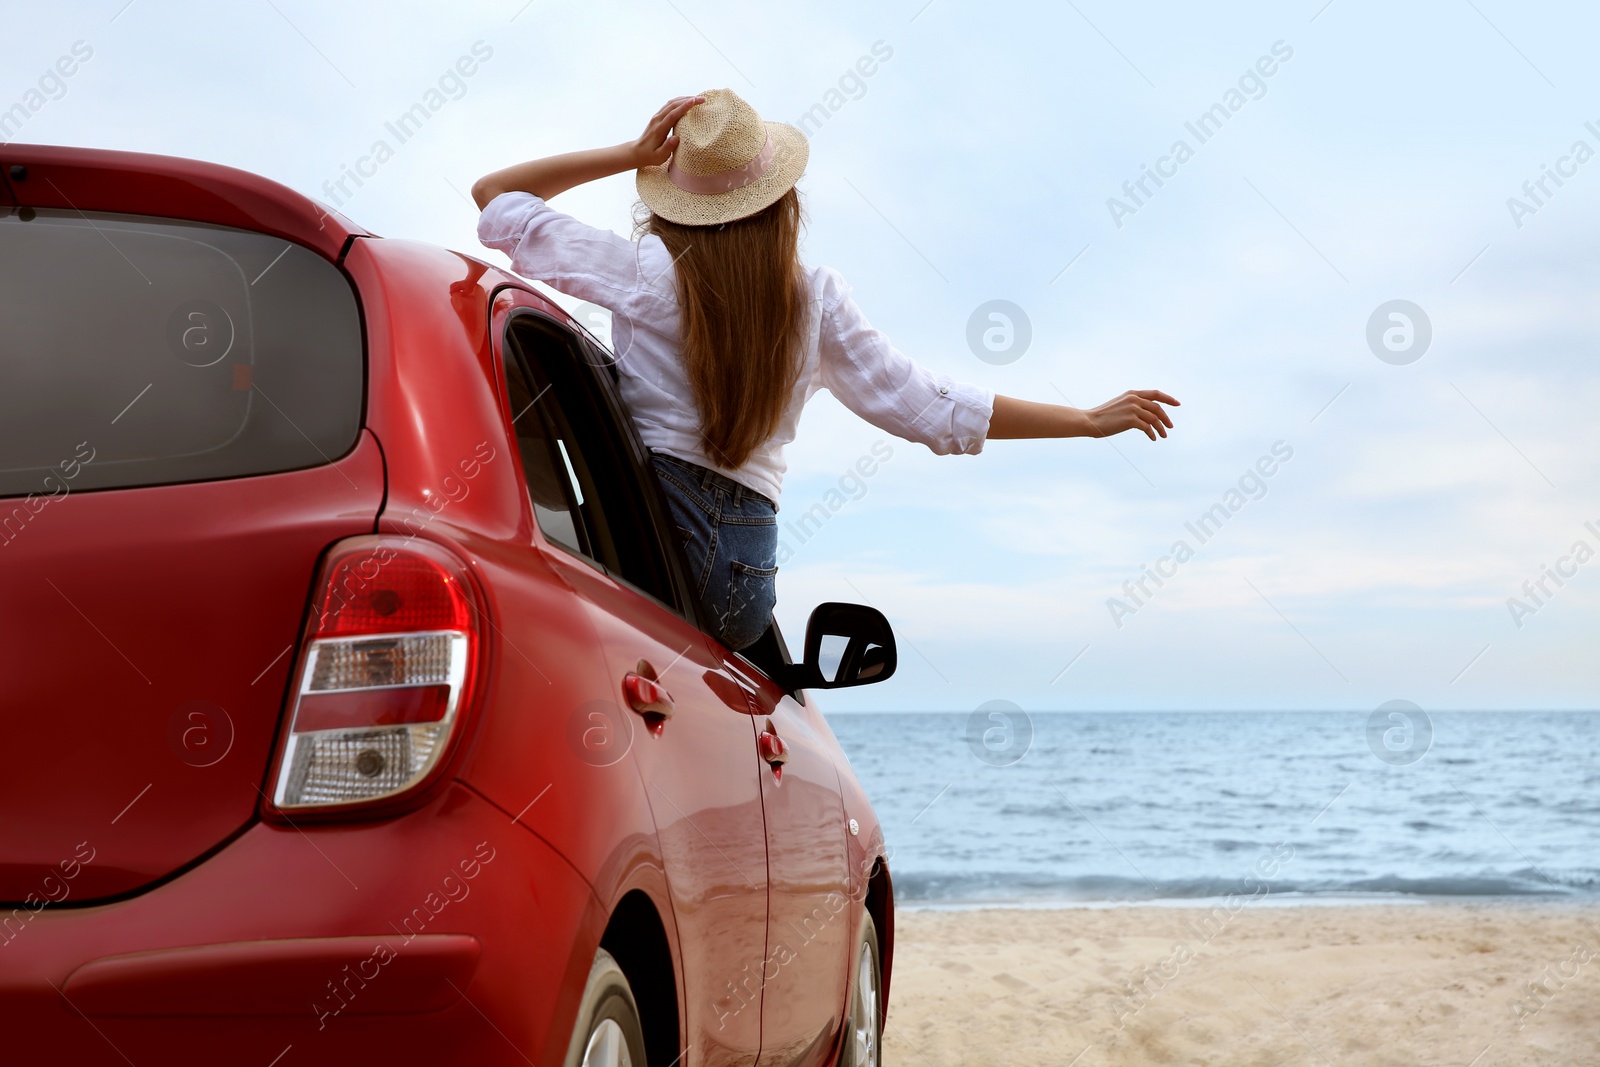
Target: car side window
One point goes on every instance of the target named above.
(584, 486)
(549, 487)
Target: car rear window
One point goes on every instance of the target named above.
(138, 351)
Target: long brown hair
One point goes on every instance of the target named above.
(742, 305)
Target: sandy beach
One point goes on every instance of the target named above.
(1381, 984)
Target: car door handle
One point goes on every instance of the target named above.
(648, 697)
(772, 749)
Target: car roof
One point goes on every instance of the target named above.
(136, 183)
(140, 183)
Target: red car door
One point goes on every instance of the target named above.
(691, 745)
(706, 798)
(809, 914)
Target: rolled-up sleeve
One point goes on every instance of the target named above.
(887, 388)
(544, 244)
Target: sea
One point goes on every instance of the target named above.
(1005, 807)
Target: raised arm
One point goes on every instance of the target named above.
(1137, 409)
(553, 175)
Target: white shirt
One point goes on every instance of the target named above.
(636, 282)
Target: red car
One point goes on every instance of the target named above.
(359, 712)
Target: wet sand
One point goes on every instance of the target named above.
(1378, 984)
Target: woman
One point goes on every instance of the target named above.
(731, 335)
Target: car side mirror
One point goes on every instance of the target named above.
(846, 645)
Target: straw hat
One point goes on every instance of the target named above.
(728, 164)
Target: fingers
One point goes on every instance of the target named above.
(676, 101)
(1136, 409)
(670, 113)
(1145, 407)
(678, 106)
(1155, 411)
(667, 116)
(1136, 418)
(685, 107)
(1144, 414)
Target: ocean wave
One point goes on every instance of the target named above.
(1021, 887)
(1196, 801)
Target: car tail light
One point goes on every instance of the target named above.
(385, 678)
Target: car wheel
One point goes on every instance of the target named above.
(607, 1033)
(863, 1039)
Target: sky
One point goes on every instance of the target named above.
(1357, 154)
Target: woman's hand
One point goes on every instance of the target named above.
(1137, 409)
(655, 146)
(554, 175)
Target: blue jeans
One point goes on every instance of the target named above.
(730, 535)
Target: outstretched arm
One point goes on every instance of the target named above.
(552, 175)
(1137, 409)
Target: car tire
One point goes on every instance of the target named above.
(607, 1032)
(863, 1024)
